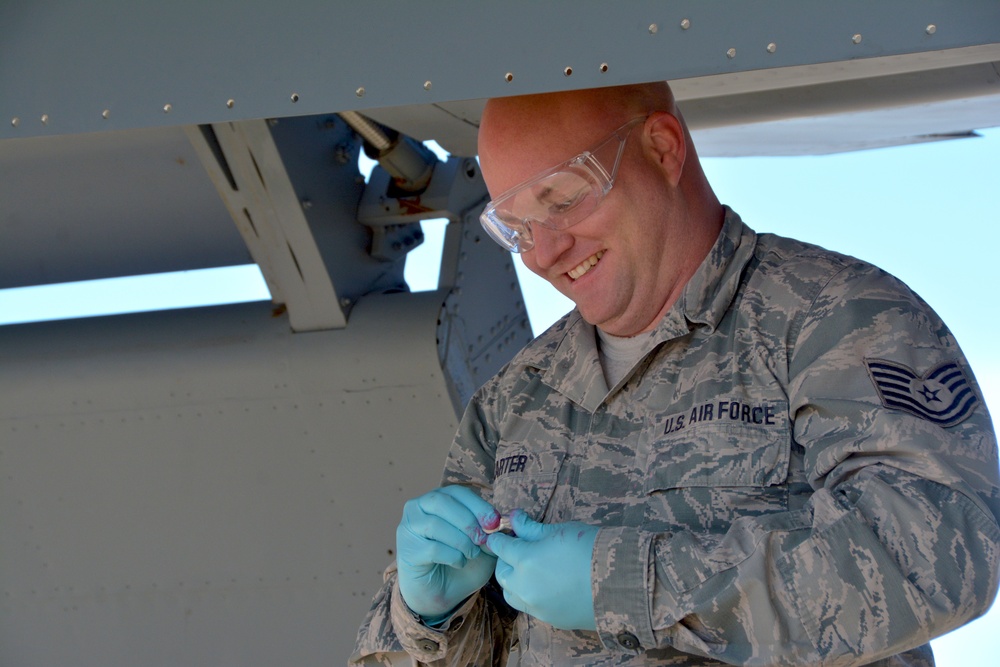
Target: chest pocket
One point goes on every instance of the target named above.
(525, 479)
(704, 477)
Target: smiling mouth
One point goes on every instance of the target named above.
(585, 265)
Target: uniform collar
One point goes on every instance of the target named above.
(567, 353)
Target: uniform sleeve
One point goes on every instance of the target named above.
(898, 542)
(478, 632)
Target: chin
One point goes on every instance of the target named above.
(591, 318)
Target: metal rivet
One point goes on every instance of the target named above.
(15, 121)
(856, 39)
(772, 47)
(731, 53)
(45, 119)
(360, 92)
(685, 24)
(653, 28)
(106, 114)
(167, 108)
(604, 67)
(427, 85)
(508, 77)
(931, 29)
(294, 97)
(568, 71)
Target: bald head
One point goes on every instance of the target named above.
(572, 119)
(603, 106)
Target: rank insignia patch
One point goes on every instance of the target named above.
(943, 395)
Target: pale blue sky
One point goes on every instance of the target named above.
(930, 214)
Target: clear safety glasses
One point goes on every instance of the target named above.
(559, 197)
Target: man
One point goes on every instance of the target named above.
(737, 449)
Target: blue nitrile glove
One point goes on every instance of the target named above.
(545, 570)
(438, 554)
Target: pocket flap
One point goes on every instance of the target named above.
(720, 455)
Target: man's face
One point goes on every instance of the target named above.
(613, 263)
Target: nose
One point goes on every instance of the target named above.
(549, 245)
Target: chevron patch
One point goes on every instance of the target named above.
(943, 395)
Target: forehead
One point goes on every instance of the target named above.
(516, 147)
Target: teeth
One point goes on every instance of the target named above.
(585, 265)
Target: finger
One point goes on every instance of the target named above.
(486, 547)
(445, 506)
(505, 547)
(428, 553)
(505, 576)
(503, 572)
(527, 528)
(514, 601)
(419, 530)
(486, 515)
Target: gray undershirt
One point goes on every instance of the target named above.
(618, 355)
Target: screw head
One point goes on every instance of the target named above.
(685, 24)
(106, 114)
(14, 122)
(230, 103)
(931, 29)
(653, 28)
(360, 92)
(857, 38)
(731, 53)
(167, 108)
(294, 98)
(772, 47)
(45, 119)
(427, 85)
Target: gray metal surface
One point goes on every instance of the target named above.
(810, 116)
(206, 488)
(157, 64)
(90, 206)
(844, 102)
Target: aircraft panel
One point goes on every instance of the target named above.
(204, 487)
(67, 68)
(89, 206)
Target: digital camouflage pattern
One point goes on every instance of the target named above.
(762, 501)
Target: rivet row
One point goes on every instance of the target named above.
(653, 29)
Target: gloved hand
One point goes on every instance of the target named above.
(438, 555)
(545, 570)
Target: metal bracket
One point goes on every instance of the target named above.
(244, 164)
(483, 321)
(455, 186)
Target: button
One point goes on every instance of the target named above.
(428, 645)
(628, 640)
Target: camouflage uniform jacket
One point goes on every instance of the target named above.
(799, 470)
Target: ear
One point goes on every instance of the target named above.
(667, 143)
